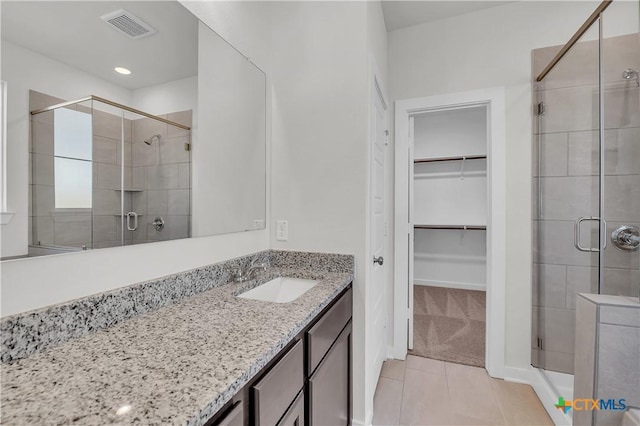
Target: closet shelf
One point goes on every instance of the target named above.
(462, 227)
(437, 159)
(130, 190)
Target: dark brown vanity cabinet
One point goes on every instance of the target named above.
(308, 383)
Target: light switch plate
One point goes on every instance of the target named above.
(282, 230)
(258, 224)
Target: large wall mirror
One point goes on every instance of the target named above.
(128, 122)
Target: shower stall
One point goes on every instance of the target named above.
(104, 174)
(586, 179)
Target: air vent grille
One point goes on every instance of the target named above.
(128, 24)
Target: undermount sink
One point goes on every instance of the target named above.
(280, 290)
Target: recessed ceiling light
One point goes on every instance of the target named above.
(122, 70)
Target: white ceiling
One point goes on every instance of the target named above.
(73, 33)
(401, 14)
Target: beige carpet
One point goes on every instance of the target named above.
(449, 324)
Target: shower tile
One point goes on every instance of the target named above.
(105, 151)
(583, 153)
(584, 359)
(172, 150)
(178, 202)
(622, 107)
(617, 315)
(549, 285)
(42, 138)
(568, 198)
(570, 109)
(578, 68)
(184, 175)
(127, 146)
(559, 329)
(555, 244)
(622, 151)
(139, 200)
(166, 176)
(615, 258)
(43, 231)
(109, 176)
(39, 100)
(72, 230)
(139, 177)
(144, 128)
(174, 227)
(106, 202)
(580, 280)
(621, 282)
(44, 117)
(553, 155)
(157, 202)
(558, 361)
(622, 198)
(42, 169)
(618, 369)
(181, 117)
(105, 228)
(107, 125)
(43, 200)
(143, 154)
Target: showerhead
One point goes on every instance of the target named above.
(154, 138)
(631, 75)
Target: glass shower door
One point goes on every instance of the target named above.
(566, 198)
(620, 261)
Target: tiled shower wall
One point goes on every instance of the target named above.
(156, 180)
(567, 186)
(161, 177)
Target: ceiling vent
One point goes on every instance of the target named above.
(129, 24)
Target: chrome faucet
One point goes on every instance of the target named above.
(240, 274)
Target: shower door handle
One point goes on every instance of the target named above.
(131, 215)
(576, 234)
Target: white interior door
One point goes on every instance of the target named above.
(378, 311)
(411, 241)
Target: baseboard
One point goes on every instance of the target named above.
(357, 422)
(532, 376)
(450, 284)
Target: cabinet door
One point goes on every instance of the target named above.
(295, 414)
(330, 385)
(234, 417)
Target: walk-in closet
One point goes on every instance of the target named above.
(448, 210)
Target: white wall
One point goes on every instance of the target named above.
(32, 283)
(176, 95)
(320, 63)
(23, 70)
(491, 48)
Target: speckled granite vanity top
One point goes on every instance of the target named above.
(175, 365)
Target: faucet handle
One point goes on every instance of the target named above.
(235, 273)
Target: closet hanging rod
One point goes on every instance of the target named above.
(458, 227)
(462, 157)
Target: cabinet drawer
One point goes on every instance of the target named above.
(322, 335)
(273, 394)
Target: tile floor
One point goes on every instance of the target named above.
(423, 391)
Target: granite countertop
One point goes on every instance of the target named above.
(177, 365)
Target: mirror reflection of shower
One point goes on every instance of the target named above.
(631, 75)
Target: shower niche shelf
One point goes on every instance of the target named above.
(129, 190)
(456, 158)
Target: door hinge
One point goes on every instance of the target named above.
(187, 146)
(386, 137)
(540, 345)
(541, 108)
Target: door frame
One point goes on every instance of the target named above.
(494, 99)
